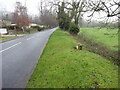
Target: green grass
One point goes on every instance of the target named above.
(61, 66)
(6, 38)
(108, 37)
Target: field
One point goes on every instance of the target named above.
(108, 37)
(62, 66)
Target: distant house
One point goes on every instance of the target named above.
(11, 27)
(32, 25)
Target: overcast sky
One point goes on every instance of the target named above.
(32, 6)
(9, 5)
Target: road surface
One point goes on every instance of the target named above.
(19, 58)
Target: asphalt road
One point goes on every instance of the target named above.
(19, 58)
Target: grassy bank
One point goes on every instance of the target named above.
(61, 66)
(6, 38)
(109, 37)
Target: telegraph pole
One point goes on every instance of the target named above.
(25, 2)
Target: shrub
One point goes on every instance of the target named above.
(37, 27)
(74, 29)
(64, 21)
(64, 25)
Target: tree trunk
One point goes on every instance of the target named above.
(15, 31)
(23, 29)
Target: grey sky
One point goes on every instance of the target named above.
(32, 6)
(9, 5)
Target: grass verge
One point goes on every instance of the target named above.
(108, 37)
(61, 66)
(6, 38)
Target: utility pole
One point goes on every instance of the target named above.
(2, 17)
(25, 2)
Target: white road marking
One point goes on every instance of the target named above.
(30, 38)
(10, 47)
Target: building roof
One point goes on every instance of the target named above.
(33, 24)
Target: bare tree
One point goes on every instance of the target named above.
(109, 7)
(74, 8)
(3, 16)
(47, 16)
(20, 16)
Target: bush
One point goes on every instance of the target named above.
(64, 22)
(37, 27)
(74, 29)
(64, 25)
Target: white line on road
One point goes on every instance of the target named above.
(10, 47)
(30, 38)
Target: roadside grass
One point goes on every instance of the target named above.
(18, 33)
(108, 37)
(61, 66)
(6, 38)
(21, 32)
